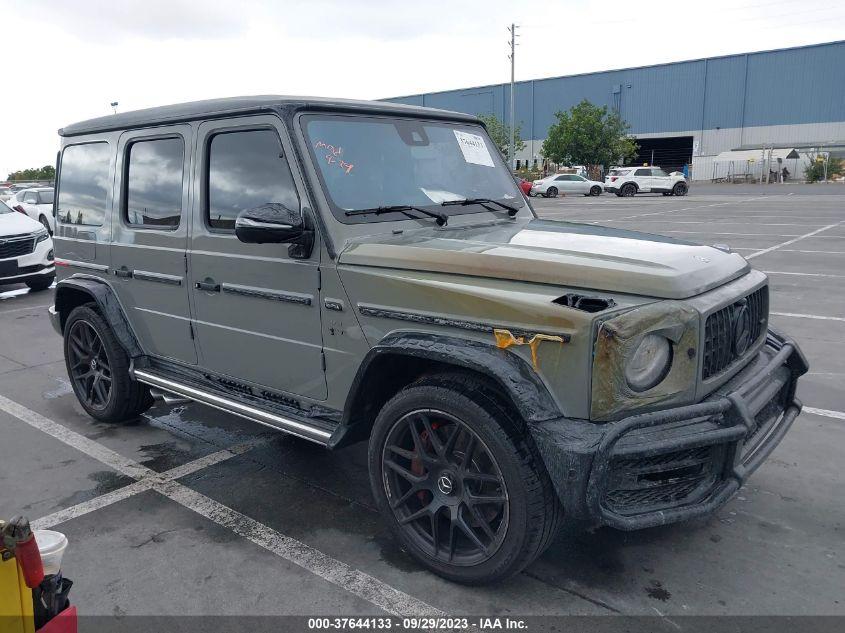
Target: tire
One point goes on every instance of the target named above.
(38, 285)
(522, 512)
(45, 224)
(628, 190)
(551, 192)
(680, 189)
(90, 346)
(595, 190)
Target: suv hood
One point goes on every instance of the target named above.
(558, 253)
(16, 223)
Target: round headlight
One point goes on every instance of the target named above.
(650, 363)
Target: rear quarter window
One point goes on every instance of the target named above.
(84, 184)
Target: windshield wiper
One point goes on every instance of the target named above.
(484, 202)
(441, 218)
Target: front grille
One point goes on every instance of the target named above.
(719, 352)
(16, 246)
(662, 481)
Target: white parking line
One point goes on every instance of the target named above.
(797, 239)
(36, 307)
(354, 581)
(808, 316)
(340, 574)
(839, 415)
(704, 206)
(80, 509)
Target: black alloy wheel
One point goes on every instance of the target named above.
(628, 190)
(595, 190)
(90, 369)
(680, 189)
(551, 192)
(445, 488)
(98, 367)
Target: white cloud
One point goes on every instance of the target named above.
(66, 61)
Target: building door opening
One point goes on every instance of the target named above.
(670, 153)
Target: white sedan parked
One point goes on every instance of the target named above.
(37, 203)
(552, 185)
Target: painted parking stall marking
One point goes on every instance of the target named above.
(369, 588)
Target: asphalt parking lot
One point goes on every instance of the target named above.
(192, 511)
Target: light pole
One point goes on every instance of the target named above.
(114, 105)
(512, 30)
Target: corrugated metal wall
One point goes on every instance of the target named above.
(785, 87)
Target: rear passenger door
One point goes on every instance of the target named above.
(256, 309)
(150, 237)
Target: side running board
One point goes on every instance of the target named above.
(294, 427)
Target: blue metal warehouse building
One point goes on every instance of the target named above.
(687, 111)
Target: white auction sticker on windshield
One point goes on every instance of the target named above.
(474, 148)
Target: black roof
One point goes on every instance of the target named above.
(245, 105)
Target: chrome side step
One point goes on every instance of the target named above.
(272, 420)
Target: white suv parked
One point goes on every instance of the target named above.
(26, 251)
(628, 181)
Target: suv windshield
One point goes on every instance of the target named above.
(372, 162)
(4, 208)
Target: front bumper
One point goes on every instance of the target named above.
(35, 265)
(679, 463)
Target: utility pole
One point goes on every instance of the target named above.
(512, 30)
(114, 105)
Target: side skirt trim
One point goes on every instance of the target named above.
(299, 429)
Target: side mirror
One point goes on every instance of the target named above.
(270, 223)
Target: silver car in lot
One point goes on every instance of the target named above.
(551, 186)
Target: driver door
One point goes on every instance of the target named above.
(256, 309)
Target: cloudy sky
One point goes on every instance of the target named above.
(66, 60)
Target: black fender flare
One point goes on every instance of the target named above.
(104, 296)
(513, 374)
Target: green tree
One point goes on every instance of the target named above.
(48, 172)
(587, 134)
(501, 134)
(816, 169)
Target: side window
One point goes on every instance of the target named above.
(153, 193)
(246, 170)
(31, 197)
(45, 197)
(659, 173)
(643, 172)
(84, 184)
(561, 178)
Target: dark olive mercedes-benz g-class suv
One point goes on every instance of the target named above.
(352, 271)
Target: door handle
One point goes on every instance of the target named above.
(209, 285)
(123, 272)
